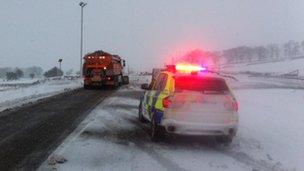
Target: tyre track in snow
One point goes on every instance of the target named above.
(138, 137)
(30, 133)
(244, 158)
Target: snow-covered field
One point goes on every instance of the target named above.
(270, 136)
(271, 126)
(279, 67)
(20, 94)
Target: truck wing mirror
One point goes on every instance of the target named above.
(145, 86)
(123, 63)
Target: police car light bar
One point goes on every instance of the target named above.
(187, 68)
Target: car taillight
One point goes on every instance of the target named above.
(167, 102)
(235, 106)
(231, 103)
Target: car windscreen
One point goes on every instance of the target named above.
(202, 84)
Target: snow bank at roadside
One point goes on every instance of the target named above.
(21, 95)
(19, 81)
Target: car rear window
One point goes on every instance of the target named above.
(206, 85)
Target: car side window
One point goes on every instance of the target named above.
(160, 82)
(163, 83)
(157, 82)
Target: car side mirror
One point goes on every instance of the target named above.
(145, 86)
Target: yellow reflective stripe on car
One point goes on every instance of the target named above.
(146, 99)
(159, 102)
(165, 93)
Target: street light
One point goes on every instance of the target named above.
(81, 4)
(59, 61)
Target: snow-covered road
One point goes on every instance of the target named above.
(270, 136)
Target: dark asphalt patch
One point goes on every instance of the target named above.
(121, 106)
(30, 133)
(134, 94)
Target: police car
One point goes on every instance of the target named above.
(189, 100)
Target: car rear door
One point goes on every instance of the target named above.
(157, 89)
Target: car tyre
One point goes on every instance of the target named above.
(157, 133)
(224, 139)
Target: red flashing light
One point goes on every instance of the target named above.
(171, 68)
(231, 103)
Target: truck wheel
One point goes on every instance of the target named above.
(125, 79)
(120, 80)
(116, 83)
(157, 133)
(86, 87)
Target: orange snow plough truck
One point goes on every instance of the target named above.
(103, 69)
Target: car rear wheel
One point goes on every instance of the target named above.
(224, 139)
(157, 133)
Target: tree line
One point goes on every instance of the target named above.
(246, 54)
(9, 73)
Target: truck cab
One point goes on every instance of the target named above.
(103, 69)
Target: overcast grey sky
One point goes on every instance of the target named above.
(146, 32)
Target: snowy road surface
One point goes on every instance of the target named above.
(270, 136)
(31, 132)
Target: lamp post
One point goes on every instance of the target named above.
(59, 61)
(81, 4)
